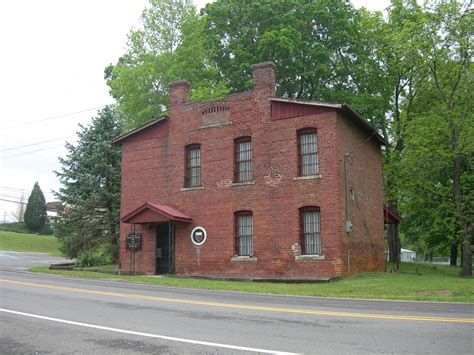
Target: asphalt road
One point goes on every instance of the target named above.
(24, 261)
(56, 314)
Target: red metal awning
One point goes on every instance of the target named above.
(155, 213)
(390, 216)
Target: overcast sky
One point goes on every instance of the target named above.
(53, 57)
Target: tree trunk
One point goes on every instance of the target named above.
(399, 245)
(466, 264)
(394, 245)
(463, 225)
(391, 245)
(454, 254)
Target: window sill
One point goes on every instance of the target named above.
(246, 183)
(244, 258)
(194, 188)
(309, 257)
(309, 177)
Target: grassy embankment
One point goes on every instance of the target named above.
(436, 283)
(27, 242)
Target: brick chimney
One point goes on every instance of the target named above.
(178, 93)
(264, 77)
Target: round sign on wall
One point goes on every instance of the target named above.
(198, 236)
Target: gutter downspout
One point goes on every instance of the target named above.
(347, 157)
(348, 223)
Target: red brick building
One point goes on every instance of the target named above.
(284, 189)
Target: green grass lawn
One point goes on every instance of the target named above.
(13, 241)
(436, 283)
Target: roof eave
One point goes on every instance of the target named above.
(338, 106)
(137, 130)
(366, 124)
(146, 205)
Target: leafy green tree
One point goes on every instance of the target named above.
(303, 37)
(436, 181)
(324, 50)
(414, 84)
(392, 71)
(90, 192)
(167, 46)
(35, 213)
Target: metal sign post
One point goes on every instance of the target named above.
(133, 244)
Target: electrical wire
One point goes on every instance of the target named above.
(17, 202)
(29, 153)
(21, 190)
(53, 117)
(34, 144)
(26, 141)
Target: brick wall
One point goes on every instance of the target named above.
(153, 169)
(363, 249)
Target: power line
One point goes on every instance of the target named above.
(34, 144)
(21, 190)
(28, 153)
(12, 188)
(27, 141)
(54, 117)
(10, 196)
(25, 196)
(17, 202)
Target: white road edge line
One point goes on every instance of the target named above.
(149, 335)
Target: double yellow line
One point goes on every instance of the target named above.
(239, 306)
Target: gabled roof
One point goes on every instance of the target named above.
(340, 106)
(153, 212)
(139, 129)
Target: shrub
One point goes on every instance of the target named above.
(18, 227)
(47, 229)
(91, 259)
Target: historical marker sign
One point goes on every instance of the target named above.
(133, 241)
(198, 236)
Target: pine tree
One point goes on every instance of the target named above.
(35, 212)
(90, 192)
